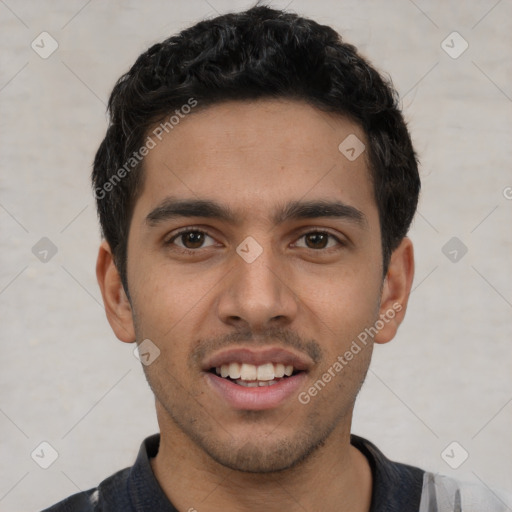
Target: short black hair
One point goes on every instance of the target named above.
(259, 53)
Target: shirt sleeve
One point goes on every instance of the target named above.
(444, 494)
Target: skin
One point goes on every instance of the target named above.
(254, 157)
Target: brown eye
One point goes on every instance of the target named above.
(319, 240)
(190, 239)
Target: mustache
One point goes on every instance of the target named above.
(284, 338)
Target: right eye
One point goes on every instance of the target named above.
(190, 240)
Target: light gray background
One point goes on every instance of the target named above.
(65, 379)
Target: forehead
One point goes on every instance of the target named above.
(255, 155)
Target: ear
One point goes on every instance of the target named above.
(395, 291)
(117, 305)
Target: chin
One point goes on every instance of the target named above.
(264, 456)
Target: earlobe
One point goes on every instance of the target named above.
(117, 306)
(395, 291)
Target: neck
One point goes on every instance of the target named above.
(336, 476)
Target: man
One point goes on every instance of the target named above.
(255, 188)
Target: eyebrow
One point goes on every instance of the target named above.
(172, 208)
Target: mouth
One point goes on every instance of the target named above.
(252, 376)
(245, 379)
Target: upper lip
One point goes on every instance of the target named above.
(258, 357)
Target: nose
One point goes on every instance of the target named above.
(258, 294)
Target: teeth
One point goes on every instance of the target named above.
(265, 372)
(262, 374)
(234, 370)
(278, 370)
(253, 384)
(248, 372)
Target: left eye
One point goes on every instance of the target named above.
(318, 240)
(193, 239)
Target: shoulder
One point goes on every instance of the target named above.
(398, 486)
(110, 495)
(446, 494)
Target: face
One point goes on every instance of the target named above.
(255, 253)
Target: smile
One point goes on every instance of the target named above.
(250, 375)
(254, 378)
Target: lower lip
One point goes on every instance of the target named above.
(255, 398)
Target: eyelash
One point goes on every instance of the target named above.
(198, 230)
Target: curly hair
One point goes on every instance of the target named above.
(259, 53)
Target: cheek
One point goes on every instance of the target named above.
(345, 300)
(169, 306)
